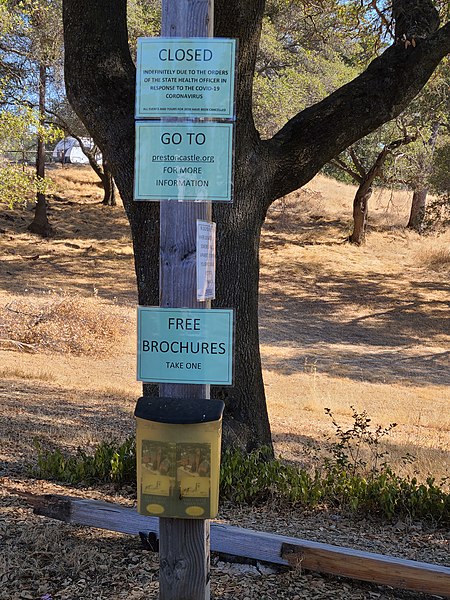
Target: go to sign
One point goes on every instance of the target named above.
(185, 345)
(183, 161)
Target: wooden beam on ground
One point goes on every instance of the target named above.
(260, 546)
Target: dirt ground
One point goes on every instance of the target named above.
(340, 326)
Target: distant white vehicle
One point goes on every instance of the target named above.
(69, 150)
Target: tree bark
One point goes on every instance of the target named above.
(40, 223)
(246, 423)
(100, 79)
(418, 209)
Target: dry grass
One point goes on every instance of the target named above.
(8, 372)
(298, 418)
(76, 182)
(61, 324)
(366, 326)
(340, 325)
(437, 257)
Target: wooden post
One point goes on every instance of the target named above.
(184, 544)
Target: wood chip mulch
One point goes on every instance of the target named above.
(42, 559)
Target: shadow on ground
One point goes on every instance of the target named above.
(395, 336)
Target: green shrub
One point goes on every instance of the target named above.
(253, 478)
(355, 476)
(357, 448)
(17, 186)
(109, 463)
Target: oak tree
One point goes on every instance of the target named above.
(29, 48)
(100, 80)
(364, 162)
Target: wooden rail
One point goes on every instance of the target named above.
(259, 546)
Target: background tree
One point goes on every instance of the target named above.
(12, 68)
(438, 210)
(440, 178)
(431, 110)
(33, 45)
(18, 127)
(416, 168)
(100, 80)
(306, 51)
(45, 49)
(143, 20)
(364, 162)
(63, 116)
(428, 114)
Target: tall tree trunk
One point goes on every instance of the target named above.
(418, 208)
(246, 423)
(109, 198)
(40, 223)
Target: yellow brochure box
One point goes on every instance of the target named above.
(178, 456)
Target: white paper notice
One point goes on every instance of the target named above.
(206, 260)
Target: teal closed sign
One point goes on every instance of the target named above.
(191, 77)
(182, 345)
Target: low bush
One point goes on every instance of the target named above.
(253, 478)
(344, 480)
(110, 462)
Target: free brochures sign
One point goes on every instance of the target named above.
(179, 77)
(185, 345)
(183, 161)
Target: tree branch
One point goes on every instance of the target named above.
(358, 164)
(378, 95)
(340, 164)
(385, 22)
(15, 50)
(407, 139)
